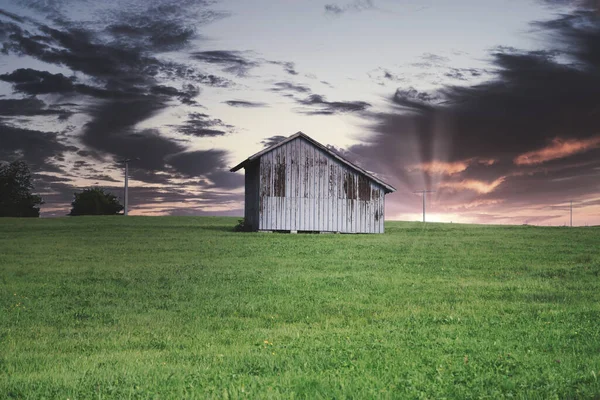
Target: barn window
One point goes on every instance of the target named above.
(375, 194)
(350, 186)
(279, 182)
(364, 188)
(265, 172)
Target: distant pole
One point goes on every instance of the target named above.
(571, 213)
(126, 162)
(126, 185)
(423, 193)
(424, 206)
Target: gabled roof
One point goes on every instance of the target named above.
(388, 188)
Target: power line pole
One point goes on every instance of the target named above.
(126, 162)
(423, 193)
(571, 213)
(126, 185)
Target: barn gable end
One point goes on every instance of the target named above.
(300, 185)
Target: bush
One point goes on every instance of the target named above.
(241, 226)
(95, 201)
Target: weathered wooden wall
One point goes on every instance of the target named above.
(302, 188)
(252, 182)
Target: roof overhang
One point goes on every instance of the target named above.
(243, 164)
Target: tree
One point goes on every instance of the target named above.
(95, 201)
(16, 199)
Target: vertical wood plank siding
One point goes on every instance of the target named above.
(252, 186)
(299, 187)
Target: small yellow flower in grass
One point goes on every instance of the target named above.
(266, 342)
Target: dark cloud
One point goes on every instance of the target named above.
(160, 35)
(112, 130)
(287, 66)
(316, 104)
(186, 94)
(30, 81)
(290, 87)
(319, 106)
(161, 26)
(131, 92)
(593, 5)
(540, 107)
(345, 153)
(413, 100)
(198, 163)
(233, 62)
(150, 177)
(34, 82)
(101, 177)
(201, 125)
(463, 74)
(78, 50)
(38, 148)
(174, 194)
(224, 179)
(121, 69)
(88, 153)
(49, 178)
(244, 103)
(334, 9)
(124, 82)
(273, 140)
(208, 163)
(80, 163)
(12, 16)
(30, 107)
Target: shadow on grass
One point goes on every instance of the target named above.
(220, 228)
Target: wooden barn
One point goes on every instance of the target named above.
(299, 185)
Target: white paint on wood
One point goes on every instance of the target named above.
(320, 193)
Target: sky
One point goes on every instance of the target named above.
(491, 105)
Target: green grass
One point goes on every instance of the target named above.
(168, 307)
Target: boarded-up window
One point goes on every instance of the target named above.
(332, 185)
(350, 186)
(375, 194)
(364, 188)
(265, 177)
(279, 183)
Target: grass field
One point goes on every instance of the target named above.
(168, 307)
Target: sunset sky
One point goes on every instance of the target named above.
(493, 105)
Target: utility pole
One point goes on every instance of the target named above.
(126, 184)
(126, 162)
(571, 213)
(423, 193)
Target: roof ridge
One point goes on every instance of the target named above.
(322, 147)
